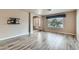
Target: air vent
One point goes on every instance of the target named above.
(49, 9)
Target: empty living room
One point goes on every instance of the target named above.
(39, 29)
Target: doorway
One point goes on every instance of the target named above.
(37, 23)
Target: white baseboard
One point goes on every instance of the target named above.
(5, 38)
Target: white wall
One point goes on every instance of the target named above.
(32, 22)
(77, 23)
(10, 30)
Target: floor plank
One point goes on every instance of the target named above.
(41, 41)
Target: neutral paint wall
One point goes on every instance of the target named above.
(8, 31)
(32, 23)
(69, 24)
(77, 23)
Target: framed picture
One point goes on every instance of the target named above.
(13, 21)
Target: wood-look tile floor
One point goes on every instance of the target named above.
(41, 41)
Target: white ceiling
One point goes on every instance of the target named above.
(47, 11)
(40, 11)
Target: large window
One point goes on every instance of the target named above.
(56, 22)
